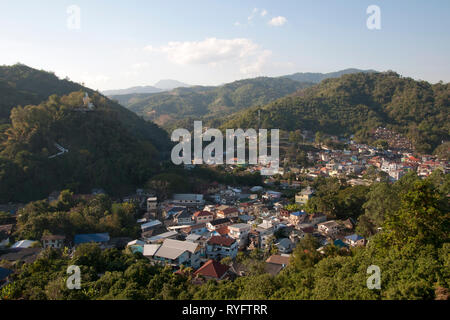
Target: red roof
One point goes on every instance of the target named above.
(229, 210)
(202, 214)
(223, 230)
(212, 269)
(221, 240)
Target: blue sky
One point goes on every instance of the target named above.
(126, 43)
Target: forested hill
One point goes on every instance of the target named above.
(318, 77)
(358, 103)
(208, 102)
(109, 147)
(22, 85)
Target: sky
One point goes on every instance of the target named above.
(113, 44)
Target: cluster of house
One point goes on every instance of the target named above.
(196, 233)
(354, 163)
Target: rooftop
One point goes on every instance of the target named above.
(278, 259)
(212, 269)
(221, 240)
(92, 237)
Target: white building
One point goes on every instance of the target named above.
(188, 199)
(329, 228)
(174, 252)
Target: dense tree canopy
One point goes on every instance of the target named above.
(358, 103)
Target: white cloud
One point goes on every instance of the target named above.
(263, 12)
(140, 65)
(211, 50)
(242, 53)
(254, 13)
(255, 66)
(150, 49)
(277, 21)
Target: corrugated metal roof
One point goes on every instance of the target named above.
(93, 237)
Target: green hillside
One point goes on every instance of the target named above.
(109, 147)
(316, 77)
(358, 103)
(208, 102)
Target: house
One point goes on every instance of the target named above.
(355, 240)
(188, 199)
(276, 263)
(27, 255)
(23, 244)
(136, 246)
(169, 213)
(254, 240)
(284, 245)
(218, 247)
(174, 253)
(183, 218)
(329, 228)
(100, 238)
(53, 241)
(199, 229)
(152, 204)
(296, 235)
(222, 231)
(4, 275)
(240, 233)
(203, 216)
(217, 223)
(162, 236)
(303, 196)
(281, 259)
(193, 237)
(5, 234)
(298, 217)
(153, 224)
(230, 212)
(317, 218)
(212, 270)
(340, 244)
(349, 223)
(266, 229)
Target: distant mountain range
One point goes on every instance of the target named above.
(198, 102)
(168, 84)
(132, 90)
(207, 102)
(160, 86)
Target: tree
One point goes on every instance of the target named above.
(420, 218)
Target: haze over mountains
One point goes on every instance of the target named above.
(166, 108)
(160, 86)
(182, 103)
(168, 84)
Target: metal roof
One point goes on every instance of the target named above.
(93, 237)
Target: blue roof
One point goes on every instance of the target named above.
(354, 237)
(339, 243)
(4, 273)
(92, 237)
(298, 213)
